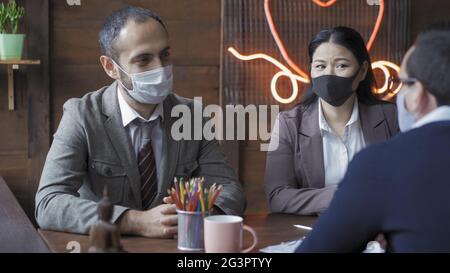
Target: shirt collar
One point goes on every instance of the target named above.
(439, 114)
(323, 124)
(129, 114)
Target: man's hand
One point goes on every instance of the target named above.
(159, 222)
(168, 200)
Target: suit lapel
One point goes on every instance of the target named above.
(120, 140)
(311, 147)
(169, 151)
(311, 144)
(372, 119)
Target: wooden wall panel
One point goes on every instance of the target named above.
(13, 139)
(38, 96)
(194, 28)
(252, 167)
(426, 12)
(14, 166)
(24, 139)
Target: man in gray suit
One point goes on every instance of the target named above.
(119, 137)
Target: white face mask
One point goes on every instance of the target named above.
(406, 119)
(150, 87)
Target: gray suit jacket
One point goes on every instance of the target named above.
(91, 149)
(295, 175)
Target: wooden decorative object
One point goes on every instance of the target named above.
(104, 237)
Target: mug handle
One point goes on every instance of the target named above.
(255, 238)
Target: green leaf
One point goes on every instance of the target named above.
(3, 18)
(13, 16)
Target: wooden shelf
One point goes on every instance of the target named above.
(14, 65)
(20, 62)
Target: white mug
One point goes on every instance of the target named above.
(223, 234)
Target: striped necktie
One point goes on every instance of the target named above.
(147, 168)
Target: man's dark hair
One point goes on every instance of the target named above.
(116, 21)
(429, 63)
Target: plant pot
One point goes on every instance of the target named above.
(11, 46)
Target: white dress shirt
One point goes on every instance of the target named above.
(129, 115)
(439, 114)
(337, 151)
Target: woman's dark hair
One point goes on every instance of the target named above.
(351, 40)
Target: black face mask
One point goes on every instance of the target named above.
(333, 89)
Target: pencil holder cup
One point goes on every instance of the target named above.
(191, 230)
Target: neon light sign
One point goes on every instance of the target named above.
(296, 74)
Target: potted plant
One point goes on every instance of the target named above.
(11, 43)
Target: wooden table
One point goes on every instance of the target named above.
(17, 233)
(271, 229)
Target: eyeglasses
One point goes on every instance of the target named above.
(395, 80)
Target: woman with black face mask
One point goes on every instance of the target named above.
(313, 143)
